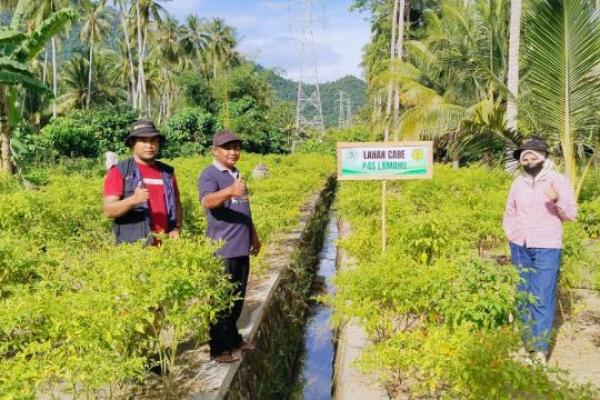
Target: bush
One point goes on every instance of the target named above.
(437, 303)
(327, 144)
(86, 133)
(188, 132)
(197, 91)
(589, 217)
(248, 119)
(80, 316)
(591, 185)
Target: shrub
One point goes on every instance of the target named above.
(591, 186)
(437, 303)
(589, 217)
(188, 132)
(87, 133)
(80, 317)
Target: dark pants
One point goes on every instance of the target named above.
(224, 335)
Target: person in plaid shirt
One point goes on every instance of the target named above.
(540, 200)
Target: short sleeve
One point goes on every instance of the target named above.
(113, 183)
(207, 184)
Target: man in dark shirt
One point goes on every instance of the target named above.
(224, 197)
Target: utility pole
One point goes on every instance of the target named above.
(345, 110)
(309, 114)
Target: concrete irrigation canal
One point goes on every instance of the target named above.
(296, 354)
(319, 350)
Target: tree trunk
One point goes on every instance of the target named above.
(4, 132)
(89, 91)
(401, 19)
(144, 88)
(390, 89)
(513, 64)
(399, 56)
(168, 100)
(54, 77)
(129, 57)
(45, 67)
(455, 152)
(140, 94)
(378, 105)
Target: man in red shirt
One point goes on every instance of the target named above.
(141, 193)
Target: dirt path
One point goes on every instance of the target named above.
(577, 346)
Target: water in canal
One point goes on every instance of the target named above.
(317, 369)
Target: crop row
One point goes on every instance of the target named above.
(439, 303)
(81, 316)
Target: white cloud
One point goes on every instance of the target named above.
(269, 33)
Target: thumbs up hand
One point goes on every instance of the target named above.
(552, 194)
(141, 194)
(238, 188)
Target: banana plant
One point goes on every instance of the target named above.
(17, 48)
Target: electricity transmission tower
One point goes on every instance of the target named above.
(345, 113)
(309, 114)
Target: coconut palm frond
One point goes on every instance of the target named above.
(563, 52)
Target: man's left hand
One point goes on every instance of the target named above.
(174, 234)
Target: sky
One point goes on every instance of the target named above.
(269, 32)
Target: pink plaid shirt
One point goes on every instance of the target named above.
(531, 219)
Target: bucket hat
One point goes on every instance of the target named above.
(143, 128)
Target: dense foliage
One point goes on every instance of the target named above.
(438, 303)
(80, 315)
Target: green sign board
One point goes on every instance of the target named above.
(385, 160)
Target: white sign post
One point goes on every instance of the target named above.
(384, 161)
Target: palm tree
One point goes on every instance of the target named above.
(450, 74)
(124, 27)
(169, 56)
(42, 9)
(75, 81)
(390, 89)
(399, 56)
(193, 38)
(563, 50)
(124, 70)
(513, 64)
(146, 12)
(220, 44)
(95, 28)
(16, 49)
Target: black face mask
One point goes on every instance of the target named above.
(534, 169)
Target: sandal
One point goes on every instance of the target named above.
(226, 358)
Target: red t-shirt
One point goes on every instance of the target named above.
(113, 186)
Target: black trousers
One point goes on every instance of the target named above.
(224, 335)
